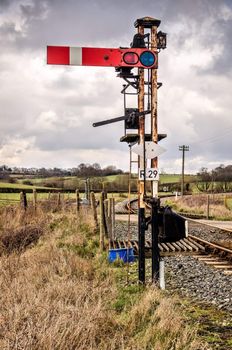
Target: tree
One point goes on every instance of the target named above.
(223, 177)
(204, 182)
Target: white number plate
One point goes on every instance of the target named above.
(151, 174)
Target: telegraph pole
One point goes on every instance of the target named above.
(183, 148)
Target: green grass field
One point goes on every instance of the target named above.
(169, 178)
(15, 185)
(164, 178)
(14, 198)
(20, 186)
(41, 179)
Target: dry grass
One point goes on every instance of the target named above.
(155, 323)
(61, 294)
(19, 228)
(218, 206)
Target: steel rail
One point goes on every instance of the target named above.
(134, 211)
(211, 245)
(128, 206)
(189, 217)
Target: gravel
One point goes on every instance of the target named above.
(193, 278)
(189, 276)
(208, 233)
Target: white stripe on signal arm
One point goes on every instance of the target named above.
(75, 56)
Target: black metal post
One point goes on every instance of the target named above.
(154, 238)
(141, 240)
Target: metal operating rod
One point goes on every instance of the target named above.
(109, 121)
(118, 119)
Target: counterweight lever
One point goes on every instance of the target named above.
(118, 119)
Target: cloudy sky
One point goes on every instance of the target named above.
(46, 112)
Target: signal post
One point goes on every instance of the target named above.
(152, 24)
(154, 162)
(141, 184)
(154, 126)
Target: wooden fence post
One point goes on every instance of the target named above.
(23, 200)
(77, 200)
(104, 197)
(102, 226)
(94, 209)
(106, 212)
(109, 217)
(113, 217)
(207, 211)
(34, 199)
(58, 200)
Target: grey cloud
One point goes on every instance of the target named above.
(95, 22)
(80, 22)
(4, 4)
(222, 65)
(197, 11)
(36, 10)
(9, 33)
(78, 138)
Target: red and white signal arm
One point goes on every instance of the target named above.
(93, 56)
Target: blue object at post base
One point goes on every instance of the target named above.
(125, 254)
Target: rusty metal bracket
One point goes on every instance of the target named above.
(133, 84)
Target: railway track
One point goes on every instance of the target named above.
(215, 255)
(184, 246)
(210, 253)
(132, 208)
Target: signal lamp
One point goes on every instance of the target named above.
(147, 58)
(132, 121)
(161, 40)
(130, 58)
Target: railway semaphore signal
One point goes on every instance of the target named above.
(106, 57)
(143, 55)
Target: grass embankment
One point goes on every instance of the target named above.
(62, 294)
(220, 206)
